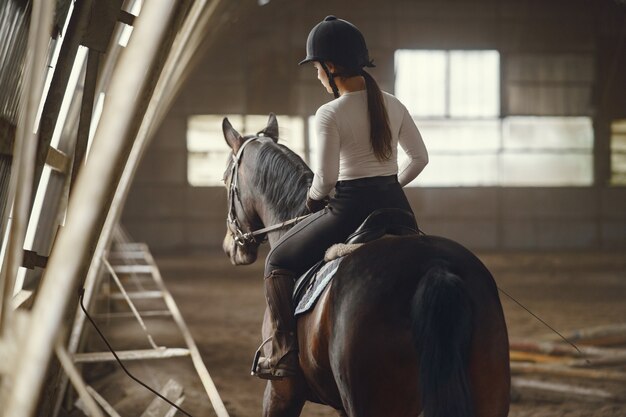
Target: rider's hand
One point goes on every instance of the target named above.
(315, 205)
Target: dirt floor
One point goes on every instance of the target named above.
(223, 306)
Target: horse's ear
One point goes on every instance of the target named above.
(233, 138)
(271, 129)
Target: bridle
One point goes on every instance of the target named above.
(233, 225)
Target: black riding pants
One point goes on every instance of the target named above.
(305, 244)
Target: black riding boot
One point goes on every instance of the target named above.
(283, 361)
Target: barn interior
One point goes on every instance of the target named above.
(119, 190)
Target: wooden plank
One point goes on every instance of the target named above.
(563, 371)
(519, 356)
(172, 390)
(560, 348)
(559, 391)
(131, 246)
(123, 315)
(136, 295)
(131, 355)
(123, 255)
(76, 378)
(133, 269)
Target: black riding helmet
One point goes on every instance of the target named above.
(339, 42)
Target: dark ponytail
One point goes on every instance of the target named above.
(380, 133)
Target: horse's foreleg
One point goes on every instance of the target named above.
(284, 398)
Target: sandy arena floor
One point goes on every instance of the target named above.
(223, 306)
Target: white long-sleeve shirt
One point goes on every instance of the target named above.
(344, 148)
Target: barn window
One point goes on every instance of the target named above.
(618, 152)
(208, 151)
(454, 96)
(546, 151)
(449, 84)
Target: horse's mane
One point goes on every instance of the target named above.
(283, 178)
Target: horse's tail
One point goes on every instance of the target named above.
(442, 321)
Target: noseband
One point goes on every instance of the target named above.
(233, 225)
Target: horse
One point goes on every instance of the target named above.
(409, 324)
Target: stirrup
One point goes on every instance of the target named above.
(273, 373)
(257, 356)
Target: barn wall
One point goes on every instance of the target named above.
(556, 58)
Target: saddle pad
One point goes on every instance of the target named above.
(308, 296)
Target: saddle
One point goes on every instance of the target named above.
(382, 222)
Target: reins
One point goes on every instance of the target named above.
(277, 226)
(233, 225)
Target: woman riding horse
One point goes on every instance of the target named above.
(358, 134)
(409, 323)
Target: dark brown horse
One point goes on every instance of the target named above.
(409, 324)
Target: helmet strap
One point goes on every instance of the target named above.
(331, 79)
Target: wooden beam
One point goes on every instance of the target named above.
(21, 190)
(559, 391)
(124, 315)
(77, 380)
(86, 112)
(133, 269)
(79, 22)
(131, 355)
(560, 348)
(136, 295)
(563, 371)
(129, 93)
(520, 356)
